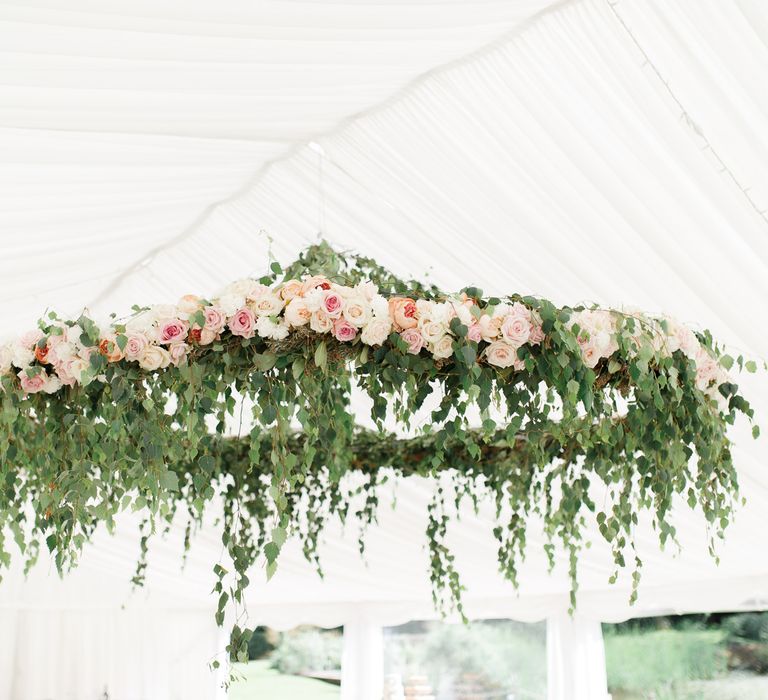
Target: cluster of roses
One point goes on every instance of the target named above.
(598, 332)
(165, 334)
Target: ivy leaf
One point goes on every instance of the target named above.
(321, 355)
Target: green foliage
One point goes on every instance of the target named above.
(503, 657)
(154, 441)
(307, 650)
(654, 661)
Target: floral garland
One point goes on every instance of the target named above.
(58, 355)
(138, 414)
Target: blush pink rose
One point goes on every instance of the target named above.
(414, 339)
(503, 354)
(516, 329)
(31, 338)
(343, 330)
(332, 304)
(178, 353)
(475, 333)
(135, 346)
(173, 330)
(243, 323)
(214, 319)
(33, 384)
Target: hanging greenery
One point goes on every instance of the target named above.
(528, 404)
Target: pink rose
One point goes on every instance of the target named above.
(343, 330)
(173, 331)
(178, 353)
(214, 319)
(33, 384)
(475, 332)
(243, 323)
(31, 338)
(415, 340)
(332, 304)
(135, 346)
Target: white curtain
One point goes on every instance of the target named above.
(49, 654)
(575, 659)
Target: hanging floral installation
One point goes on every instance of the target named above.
(135, 414)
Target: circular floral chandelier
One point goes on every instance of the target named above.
(529, 405)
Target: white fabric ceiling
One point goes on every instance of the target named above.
(606, 151)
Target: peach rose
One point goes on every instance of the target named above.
(403, 312)
(110, 349)
(290, 289)
(297, 312)
(41, 354)
(310, 283)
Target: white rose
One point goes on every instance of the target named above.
(297, 312)
(443, 348)
(52, 384)
(464, 313)
(502, 354)
(490, 327)
(154, 357)
(230, 304)
(320, 322)
(143, 322)
(377, 330)
(314, 299)
(432, 331)
(356, 312)
(246, 288)
(22, 355)
(267, 328)
(267, 304)
(379, 306)
(367, 290)
(188, 305)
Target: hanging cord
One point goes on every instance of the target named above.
(686, 115)
(317, 148)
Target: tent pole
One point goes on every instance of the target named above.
(575, 659)
(362, 661)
